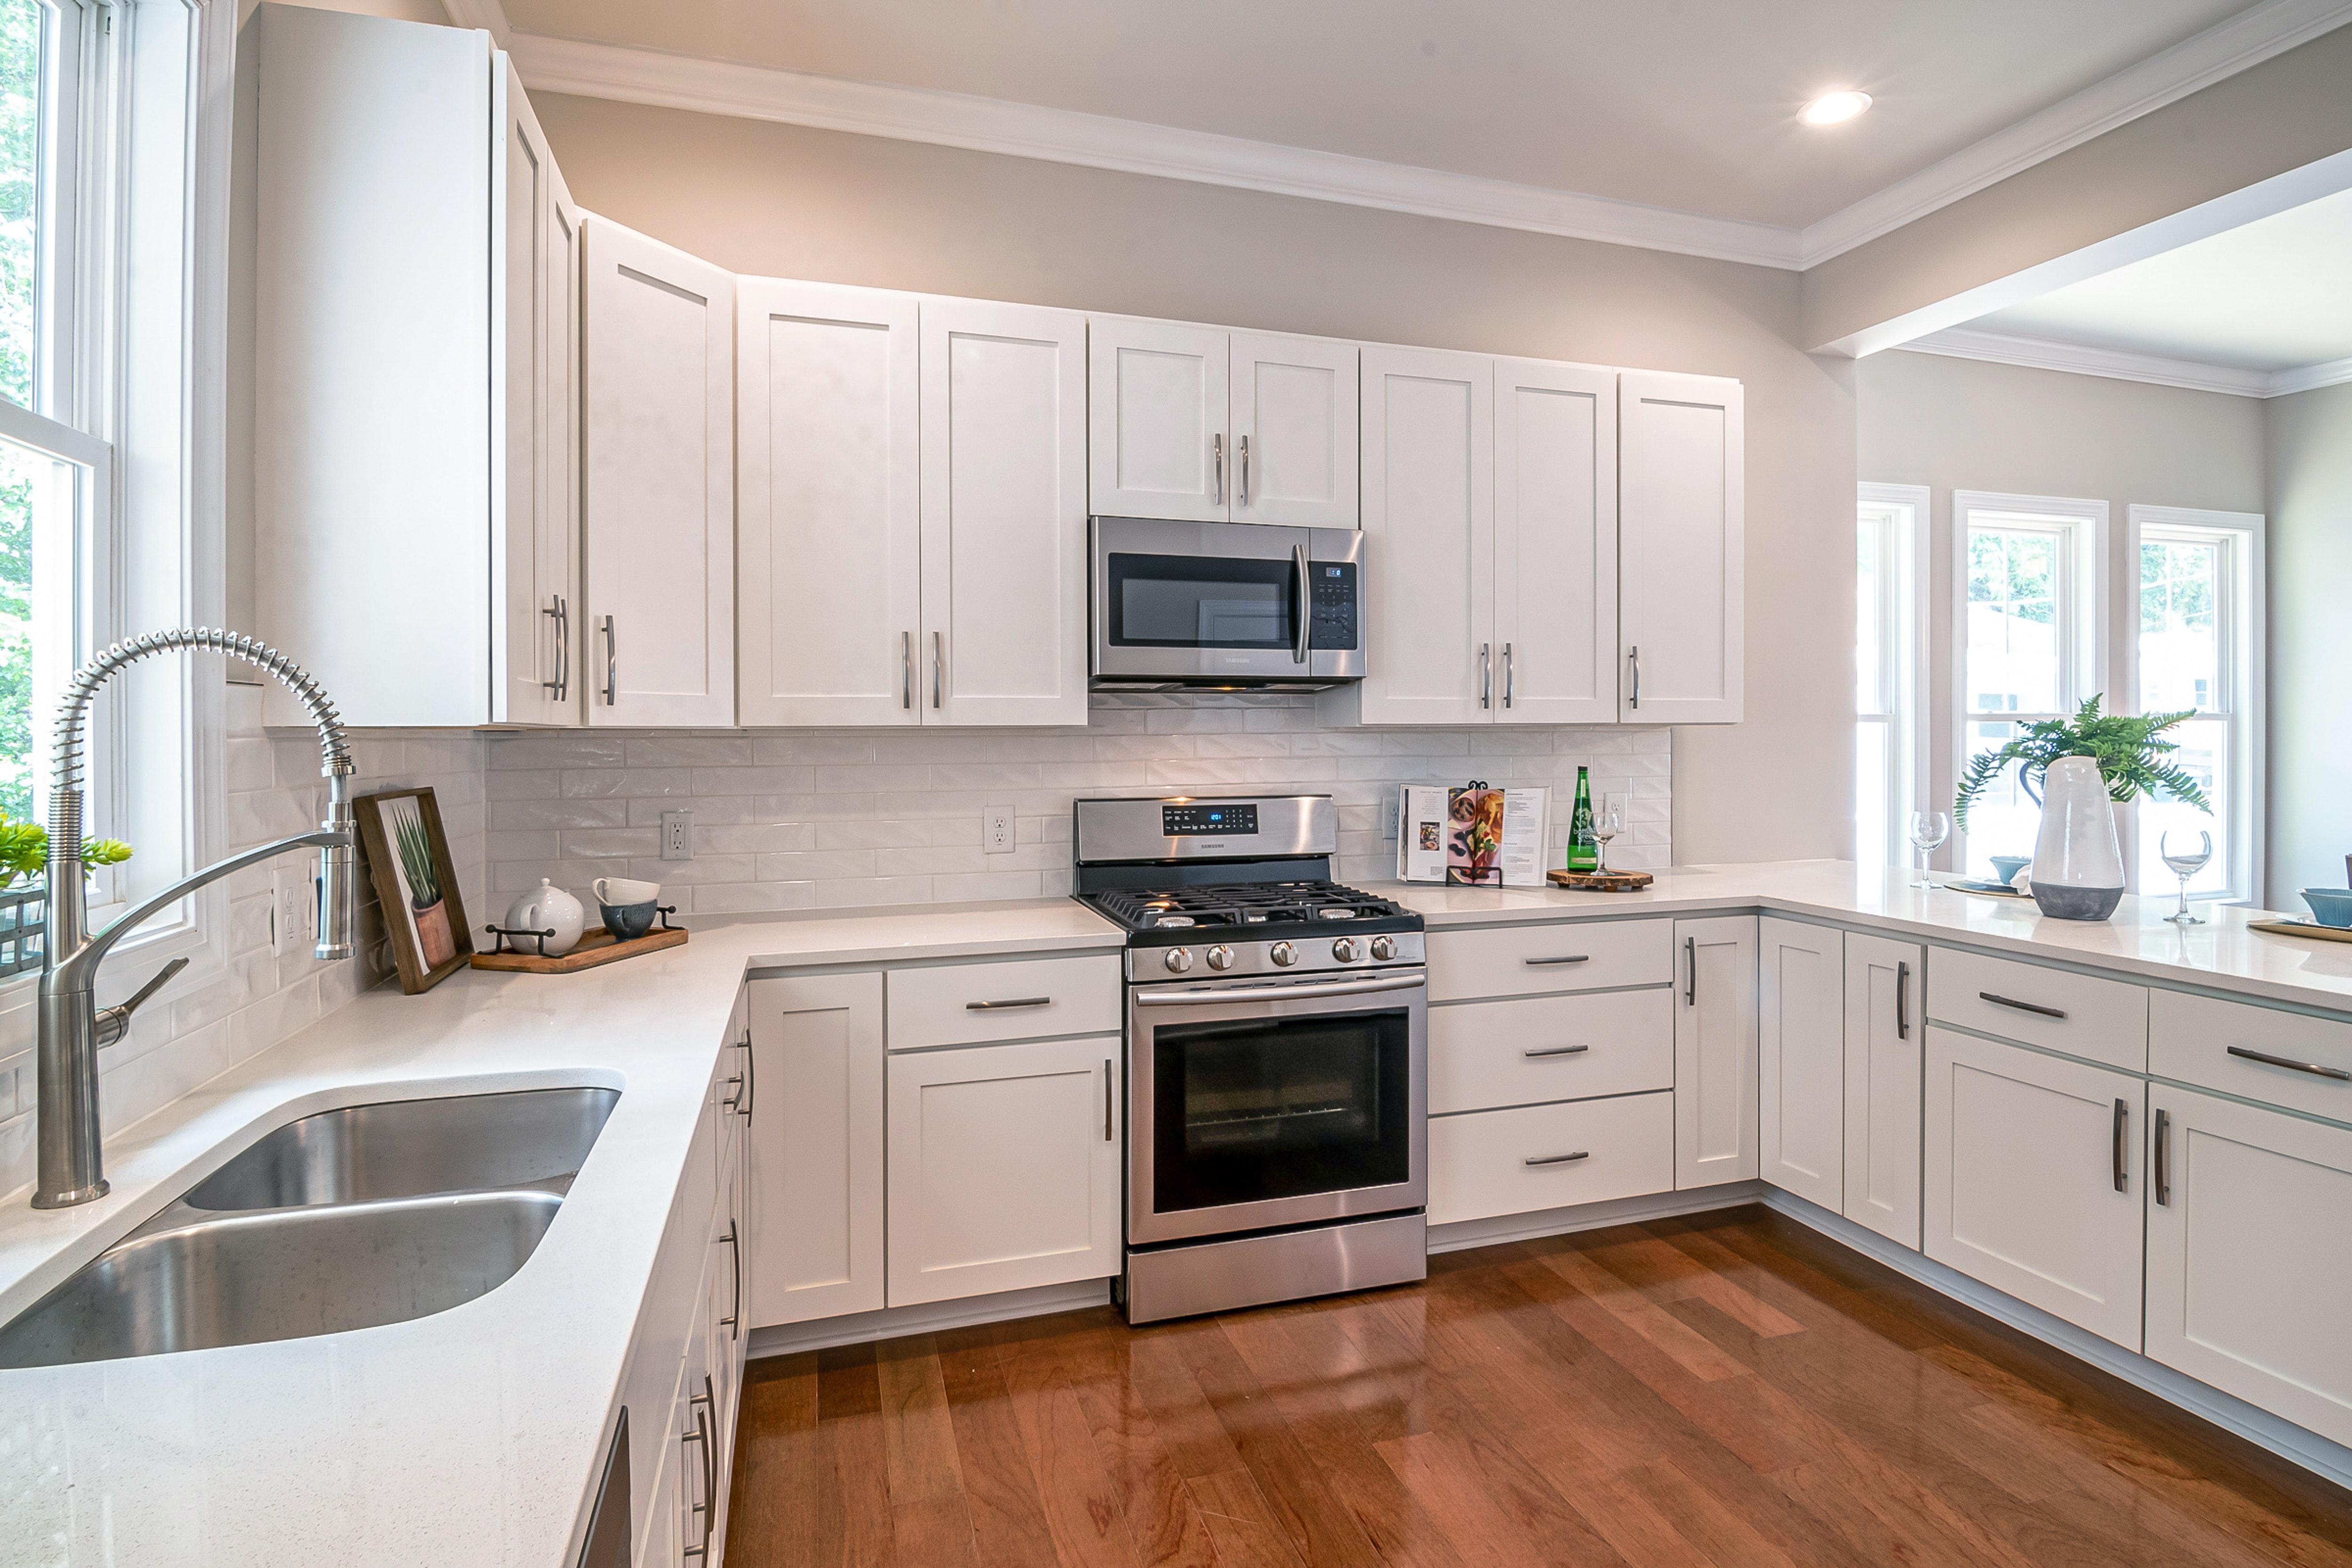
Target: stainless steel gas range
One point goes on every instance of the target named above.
(1277, 1043)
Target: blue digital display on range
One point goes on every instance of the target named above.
(1199, 817)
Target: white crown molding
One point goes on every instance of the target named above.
(488, 15)
(2120, 364)
(2245, 40)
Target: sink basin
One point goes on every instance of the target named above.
(405, 1148)
(241, 1279)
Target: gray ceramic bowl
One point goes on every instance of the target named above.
(2330, 906)
(629, 922)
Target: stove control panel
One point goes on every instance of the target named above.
(1195, 819)
(1240, 960)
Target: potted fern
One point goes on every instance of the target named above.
(24, 856)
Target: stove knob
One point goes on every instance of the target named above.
(1179, 959)
(1383, 948)
(1284, 954)
(1220, 957)
(1345, 950)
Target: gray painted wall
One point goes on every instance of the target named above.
(2310, 451)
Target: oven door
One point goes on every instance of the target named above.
(1253, 1104)
(1224, 601)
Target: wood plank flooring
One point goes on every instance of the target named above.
(1728, 1389)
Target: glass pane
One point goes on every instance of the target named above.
(2004, 819)
(20, 205)
(36, 504)
(1869, 640)
(1191, 601)
(2014, 656)
(2205, 754)
(2180, 626)
(1872, 789)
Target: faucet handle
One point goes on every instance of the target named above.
(114, 1022)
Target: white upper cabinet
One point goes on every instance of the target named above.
(829, 507)
(658, 351)
(1003, 638)
(1291, 413)
(1555, 554)
(1680, 576)
(1156, 393)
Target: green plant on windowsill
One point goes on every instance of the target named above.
(25, 851)
(2129, 747)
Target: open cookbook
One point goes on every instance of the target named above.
(1473, 835)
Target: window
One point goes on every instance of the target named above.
(1890, 548)
(2197, 645)
(2028, 623)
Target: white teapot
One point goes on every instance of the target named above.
(547, 907)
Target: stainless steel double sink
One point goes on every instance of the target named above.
(346, 1219)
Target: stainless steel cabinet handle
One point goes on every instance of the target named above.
(1557, 1159)
(1557, 1051)
(1510, 681)
(1565, 958)
(1208, 997)
(560, 613)
(1110, 1132)
(1014, 1001)
(701, 1434)
(1243, 496)
(611, 663)
(1634, 657)
(2123, 1120)
(2162, 1175)
(1901, 1001)
(938, 667)
(1217, 468)
(905, 669)
(1690, 984)
(1305, 605)
(2034, 1007)
(751, 1077)
(1485, 674)
(734, 1241)
(2315, 1069)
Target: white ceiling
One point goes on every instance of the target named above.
(1682, 104)
(2274, 295)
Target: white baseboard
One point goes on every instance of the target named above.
(2256, 1426)
(1467, 1233)
(857, 1328)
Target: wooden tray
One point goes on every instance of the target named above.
(2309, 929)
(1600, 881)
(595, 948)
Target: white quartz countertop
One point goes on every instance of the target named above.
(466, 1437)
(2221, 955)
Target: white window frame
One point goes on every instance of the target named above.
(2242, 638)
(2082, 603)
(1902, 514)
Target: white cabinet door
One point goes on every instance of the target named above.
(814, 1225)
(1004, 1168)
(1156, 401)
(829, 503)
(1885, 1012)
(1681, 574)
(1801, 1059)
(1555, 542)
(2033, 1179)
(2249, 1255)
(1005, 515)
(1714, 1051)
(1429, 528)
(658, 514)
(1292, 413)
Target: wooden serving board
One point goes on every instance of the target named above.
(596, 947)
(1600, 881)
(2312, 930)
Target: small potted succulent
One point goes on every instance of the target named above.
(24, 857)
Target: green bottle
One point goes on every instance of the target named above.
(1583, 849)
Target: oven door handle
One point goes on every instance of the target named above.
(1199, 998)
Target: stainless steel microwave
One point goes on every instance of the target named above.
(1226, 604)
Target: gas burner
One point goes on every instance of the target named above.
(1252, 904)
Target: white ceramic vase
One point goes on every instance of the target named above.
(2078, 862)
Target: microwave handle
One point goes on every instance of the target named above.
(1298, 643)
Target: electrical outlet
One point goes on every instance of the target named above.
(293, 910)
(996, 830)
(677, 836)
(1389, 810)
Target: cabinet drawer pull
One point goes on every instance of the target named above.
(1244, 495)
(751, 1078)
(1010, 1002)
(2123, 1120)
(611, 664)
(938, 667)
(1569, 958)
(1690, 956)
(733, 1320)
(1557, 1051)
(2034, 1007)
(1901, 1001)
(1559, 1159)
(2315, 1069)
(1217, 464)
(1110, 1133)
(2162, 1175)
(905, 669)
(1633, 657)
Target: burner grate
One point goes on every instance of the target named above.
(1242, 905)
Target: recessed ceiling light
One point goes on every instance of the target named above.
(1835, 108)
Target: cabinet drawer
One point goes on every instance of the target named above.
(1488, 1054)
(970, 1004)
(1479, 1165)
(2103, 1020)
(1571, 955)
(2204, 1041)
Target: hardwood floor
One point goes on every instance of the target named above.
(1727, 1389)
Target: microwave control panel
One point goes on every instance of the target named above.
(1333, 622)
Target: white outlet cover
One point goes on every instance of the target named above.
(997, 832)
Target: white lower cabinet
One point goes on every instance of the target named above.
(814, 1213)
(2249, 1255)
(1550, 1156)
(1883, 988)
(1801, 1059)
(1004, 1167)
(2033, 1179)
(1714, 1051)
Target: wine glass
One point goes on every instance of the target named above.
(1607, 824)
(2185, 863)
(1928, 831)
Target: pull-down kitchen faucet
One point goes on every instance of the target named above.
(72, 1028)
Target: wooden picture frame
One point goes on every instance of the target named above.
(400, 834)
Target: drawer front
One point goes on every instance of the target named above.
(1478, 1163)
(1487, 1054)
(2102, 1020)
(1572, 955)
(972, 1004)
(2218, 1045)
